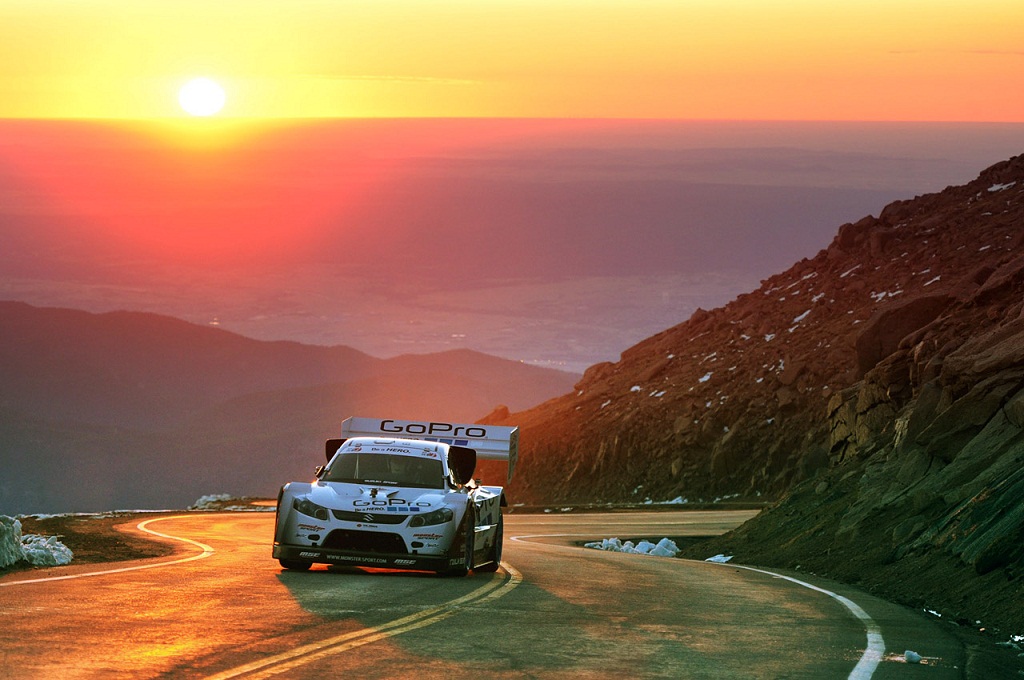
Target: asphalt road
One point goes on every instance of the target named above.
(222, 608)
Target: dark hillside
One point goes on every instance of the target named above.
(876, 390)
(135, 369)
(129, 410)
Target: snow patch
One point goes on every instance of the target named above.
(210, 501)
(848, 272)
(40, 551)
(220, 503)
(45, 551)
(719, 558)
(678, 500)
(666, 547)
(878, 297)
(10, 541)
(1000, 187)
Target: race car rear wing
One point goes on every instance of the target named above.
(490, 442)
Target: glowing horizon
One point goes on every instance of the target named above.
(904, 60)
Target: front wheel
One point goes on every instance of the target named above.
(463, 545)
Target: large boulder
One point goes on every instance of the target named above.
(885, 330)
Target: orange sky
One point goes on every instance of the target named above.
(916, 60)
(226, 191)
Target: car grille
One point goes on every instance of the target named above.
(369, 517)
(365, 541)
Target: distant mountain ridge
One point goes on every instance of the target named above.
(99, 411)
(138, 369)
(876, 390)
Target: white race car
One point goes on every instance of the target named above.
(398, 494)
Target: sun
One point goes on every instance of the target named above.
(201, 97)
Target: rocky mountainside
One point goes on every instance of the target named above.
(874, 393)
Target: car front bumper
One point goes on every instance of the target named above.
(317, 555)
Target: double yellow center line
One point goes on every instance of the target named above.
(315, 651)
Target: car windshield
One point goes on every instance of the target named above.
(386, 469)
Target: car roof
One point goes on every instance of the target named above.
(392, 445)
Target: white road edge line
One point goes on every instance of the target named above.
(875, 649)
(142, 526)
(872, 655)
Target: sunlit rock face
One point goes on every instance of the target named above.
(826, 362)
(887, 373)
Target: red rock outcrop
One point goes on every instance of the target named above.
(754, 396)
(887, 373)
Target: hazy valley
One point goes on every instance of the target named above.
(131, 410)
(558, 243)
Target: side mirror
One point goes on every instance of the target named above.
(318, 470)
(331, 447)
(462, 463)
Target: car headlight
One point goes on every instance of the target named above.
(308, 507)
(436, 517)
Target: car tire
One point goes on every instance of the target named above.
(296, 565)
(494, 558)
(463, 544)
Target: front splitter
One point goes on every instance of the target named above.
(314, 555)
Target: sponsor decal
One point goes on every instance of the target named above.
(345, 558)
(446, 440)
(391, 449)
(390, 503)
(428, 537)
(404, 562)
(309, 554)
(310, 527)
(437, 429)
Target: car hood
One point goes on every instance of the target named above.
(363, 498)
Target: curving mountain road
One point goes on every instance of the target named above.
(222, 608)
